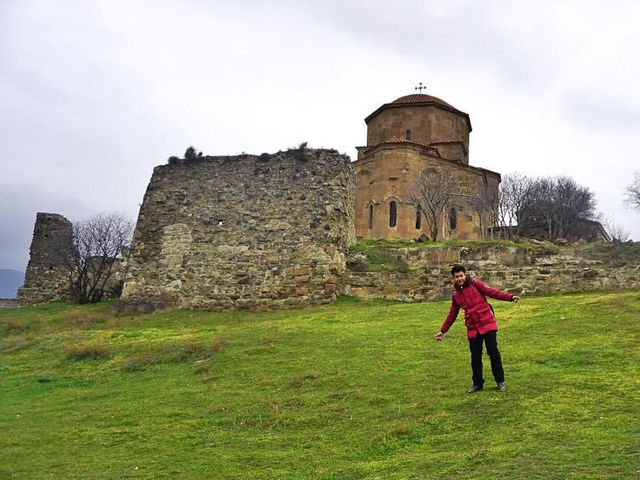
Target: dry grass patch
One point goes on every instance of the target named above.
(173, 352)
(301, 379)
(82, 351)
(14, 325)
(80, 318)
(17, 342)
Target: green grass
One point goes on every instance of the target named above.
(349, 391)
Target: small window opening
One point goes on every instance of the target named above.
(393, 214)
(418, 217)
(370, 216)
(407, 135)
(453, 219)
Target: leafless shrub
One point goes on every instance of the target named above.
(513, 200)
(616, 231)
(547, 207)
(435, 193)
(97, 245)
(632, 192)
(484, 204)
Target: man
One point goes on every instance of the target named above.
(470, 295)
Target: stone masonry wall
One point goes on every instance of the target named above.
(8, 303)
(268, 231)
(423, 273)
(46, 278)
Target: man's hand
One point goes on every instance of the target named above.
(439, 336)
(516, 299)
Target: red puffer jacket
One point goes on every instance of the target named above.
(478, 316)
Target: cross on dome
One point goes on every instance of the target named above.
(420, 88)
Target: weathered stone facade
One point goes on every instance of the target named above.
(404, 138)
(423, 273)
(46, 278)
(268, 231)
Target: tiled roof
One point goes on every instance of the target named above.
(421, 98)
(398, 140)
(395, 139)
(454, 142)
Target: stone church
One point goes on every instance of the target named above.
(405, 137)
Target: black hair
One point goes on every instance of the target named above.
(457, 268)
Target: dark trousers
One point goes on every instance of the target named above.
(475, 346)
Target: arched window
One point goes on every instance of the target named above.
(407, 135)
(418, 217)
(393, 214)
(453, 219)
(371, 216)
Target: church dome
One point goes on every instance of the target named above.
(421, 98)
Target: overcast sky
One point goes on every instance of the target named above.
(94, 94)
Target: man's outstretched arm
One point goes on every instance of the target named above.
(494, 292)
(451, 317)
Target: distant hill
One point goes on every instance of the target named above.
(10, 281)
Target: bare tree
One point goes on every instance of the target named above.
(97, 244)
(632, 192)
(616, 231)
(570, 201)
(539, 211)
(484, 203)
(513, 201)
(547, 207)
(435, 193)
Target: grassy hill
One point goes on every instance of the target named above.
(348, 391)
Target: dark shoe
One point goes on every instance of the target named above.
(501, 387)
(475, 388)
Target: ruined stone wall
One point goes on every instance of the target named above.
(8, 303)
(423, 273)
(243, 232)
(46, 277)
